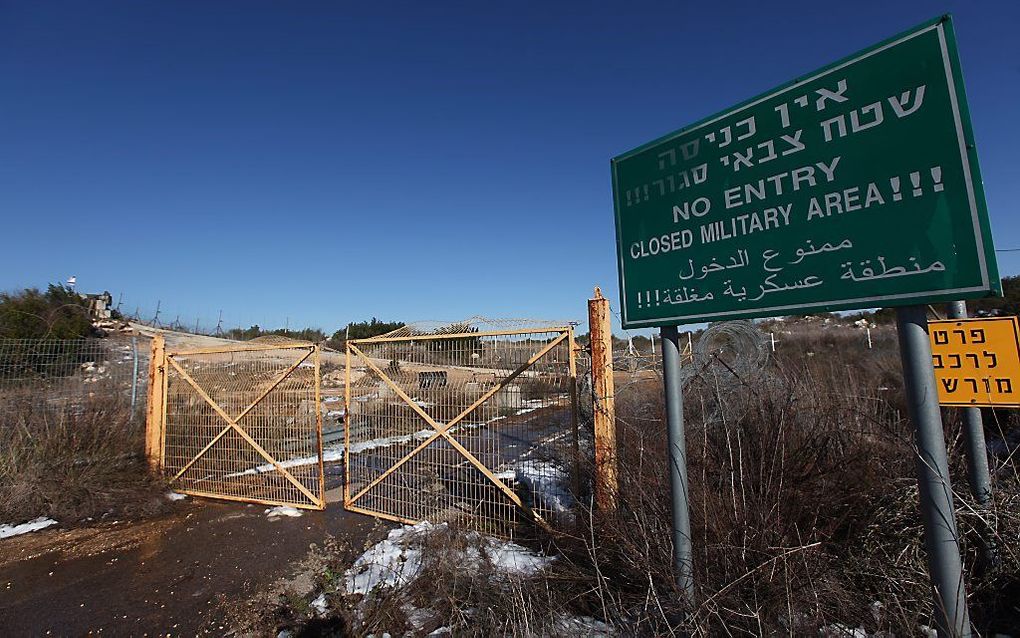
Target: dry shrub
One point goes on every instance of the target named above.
(457, 585)
(474, 597)
(72, 460)
(804, 513)
(803, 502)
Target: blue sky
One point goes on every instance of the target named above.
(317, 163)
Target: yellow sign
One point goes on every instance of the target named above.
(977, 361)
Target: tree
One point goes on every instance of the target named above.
(364, 330)
(244, 334)
(456, 350)
(315, 335)
(58, 313)
(1007, 304)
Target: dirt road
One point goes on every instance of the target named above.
(163, 576)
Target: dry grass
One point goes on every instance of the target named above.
(803, 503)
(72, 461)
(804, 520)
(468, 597)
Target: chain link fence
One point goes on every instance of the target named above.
(66, 375)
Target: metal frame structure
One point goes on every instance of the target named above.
(244, 422)
(428, 440)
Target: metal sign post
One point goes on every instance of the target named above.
(940, 535)
(680, 495)
(974, 434)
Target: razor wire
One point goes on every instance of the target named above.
(476, 323)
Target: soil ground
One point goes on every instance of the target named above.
(170, 575)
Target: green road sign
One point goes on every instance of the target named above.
(856, 186)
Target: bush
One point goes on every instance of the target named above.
(803, 502)
(70, 462)
(362, 330)
(314, 335)
(58, 313)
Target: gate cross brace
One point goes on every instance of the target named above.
(443, 430)
(216, 407)
(232, 424)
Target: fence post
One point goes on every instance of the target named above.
(603, 395)
(316, 351)
(154, 413)
(575, 473)
(347, 417)
(134, 377)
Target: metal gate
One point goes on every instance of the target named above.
(244, 423)
(459, 423)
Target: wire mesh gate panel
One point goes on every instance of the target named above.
(244, 423)
(462, 425)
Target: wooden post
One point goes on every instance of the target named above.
(603, 395)
(154, 411)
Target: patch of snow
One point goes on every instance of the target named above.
(512, 558)
(388, 441)
(319, 605)
(839, 630)
(415, 615)
(442, 631)
(330, 399)
(548, 483)
(174, 496)
(336, 453)
(396, 561)
(6, 531)
(391, 562)
(580, 626)
(282, 510)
